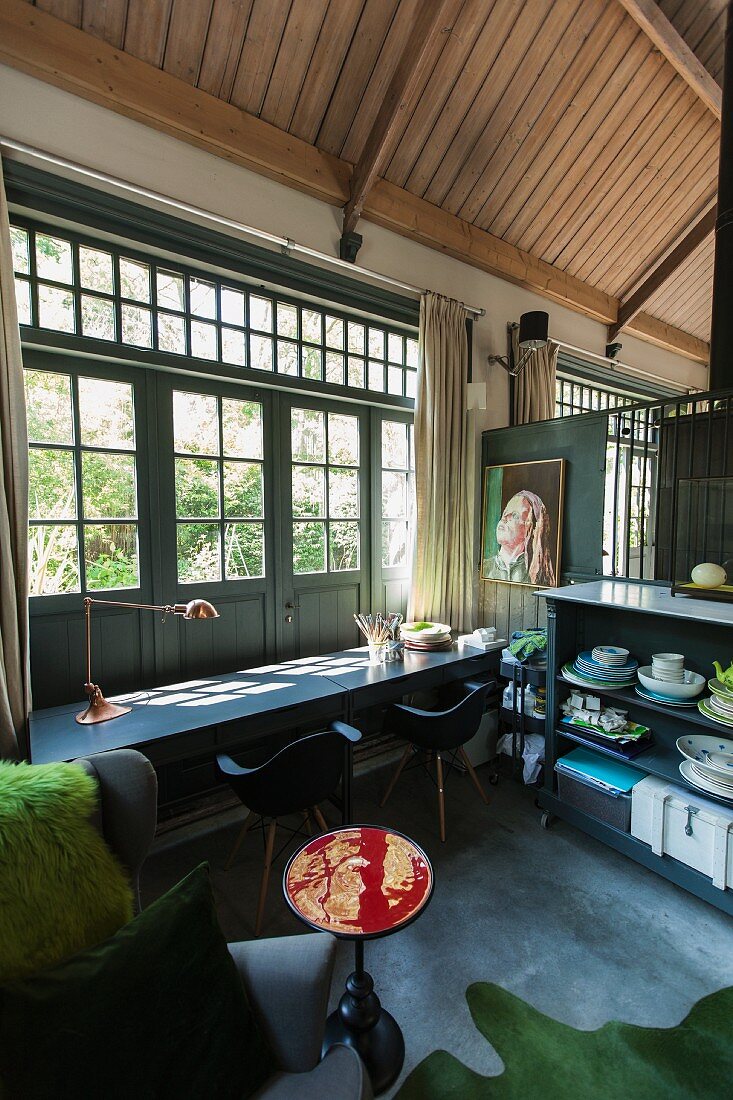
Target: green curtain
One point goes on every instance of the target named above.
(442, 572)
(14, 666)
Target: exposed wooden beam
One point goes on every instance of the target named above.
(670, 338)
(396, 209)
(672, 45)
(52, 51)
(45, 47)
(658, 274)
(379, 144)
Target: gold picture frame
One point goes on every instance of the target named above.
(521, 522)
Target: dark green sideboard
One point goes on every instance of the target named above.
(646, 619)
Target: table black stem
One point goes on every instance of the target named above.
(359, 960)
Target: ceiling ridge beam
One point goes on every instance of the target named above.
(667, 39)
(43, 46)
(664, 267)
(378, 146)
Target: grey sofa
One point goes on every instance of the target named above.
(287, 980)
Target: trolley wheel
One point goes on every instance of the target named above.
(546, 820)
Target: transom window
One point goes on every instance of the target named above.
(397, 478)
(95, 291)
(325, 491)
(83, 533)
(219, 487)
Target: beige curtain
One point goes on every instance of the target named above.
(534, 388)
(442, 572)
(14, 670)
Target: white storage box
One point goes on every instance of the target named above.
(678, 823)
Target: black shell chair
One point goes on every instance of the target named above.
(294, 780)
(440, 733)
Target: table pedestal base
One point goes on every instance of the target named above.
(361, 1022)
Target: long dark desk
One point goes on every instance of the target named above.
(180, 721)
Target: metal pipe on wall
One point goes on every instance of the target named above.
(721, 333)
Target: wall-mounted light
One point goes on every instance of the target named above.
(533, 329)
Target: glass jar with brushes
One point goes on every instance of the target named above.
(382, 633)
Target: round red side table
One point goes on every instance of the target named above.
(361, 882)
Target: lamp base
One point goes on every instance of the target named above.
(99, 710)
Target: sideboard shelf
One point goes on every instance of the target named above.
(645, 619)
(629, 698)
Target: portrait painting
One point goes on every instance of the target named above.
(522, 523)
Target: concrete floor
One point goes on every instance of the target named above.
(574, 928)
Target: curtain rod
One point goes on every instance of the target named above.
(287, 245)
(626, 366)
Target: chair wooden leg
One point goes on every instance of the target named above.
(320, 819)
(265, 874)
(472, 772)
(240, 837)
(441, 795)
(308, 826)
(405, 757)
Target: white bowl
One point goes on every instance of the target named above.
(669, 661)
(693, 684)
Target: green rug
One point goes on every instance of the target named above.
(548, 1060)
(61, 889)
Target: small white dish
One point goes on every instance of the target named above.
(722, 762)
(692, 684)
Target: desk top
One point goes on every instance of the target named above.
(359, 882)
(352, 670)
(160, 713)
(163, 712)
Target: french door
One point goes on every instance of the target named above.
(325, 525)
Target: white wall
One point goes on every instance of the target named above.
(45, 117)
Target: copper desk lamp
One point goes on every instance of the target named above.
(99, 710)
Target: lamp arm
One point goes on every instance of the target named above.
(170, 609)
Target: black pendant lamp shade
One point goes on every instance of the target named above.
(533, 328)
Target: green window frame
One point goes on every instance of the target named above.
(84, 507)
(219, 486)
(90, 290)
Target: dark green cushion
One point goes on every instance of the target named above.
(157, 1011)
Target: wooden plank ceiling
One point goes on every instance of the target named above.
(555, 125)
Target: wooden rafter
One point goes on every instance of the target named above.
(658, 274)
(672, 45)
(379, 144)
(62, 55)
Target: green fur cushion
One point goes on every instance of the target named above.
(61, 889)
(157, 1012)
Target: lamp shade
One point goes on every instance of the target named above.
(200, 609)
(533, 329)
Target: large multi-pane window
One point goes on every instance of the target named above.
(325, 491)
(94, 291)
(83, 533)
(219, 487)
(397, 487)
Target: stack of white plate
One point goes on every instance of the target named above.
(587, 672)
(610, 656)
(426, 636)
(709, 764)
(669, 667)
